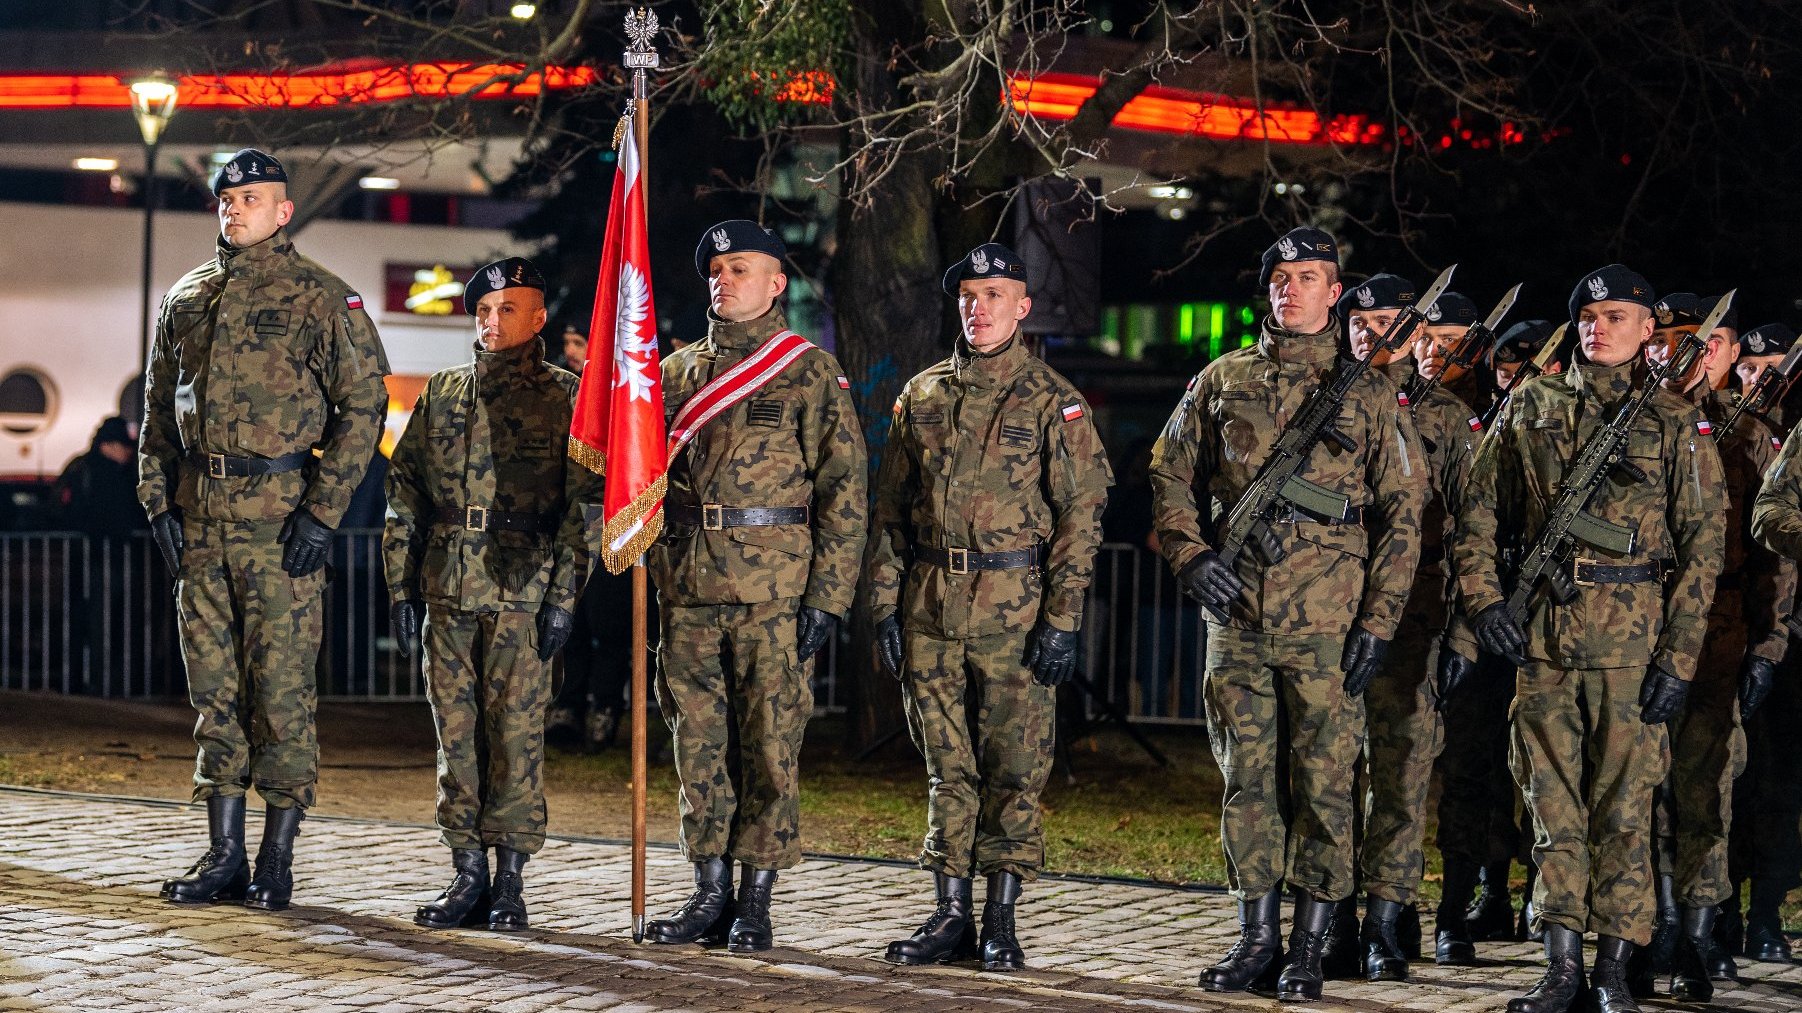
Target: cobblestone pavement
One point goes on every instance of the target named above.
(81, 928)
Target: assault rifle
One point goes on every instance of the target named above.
(1529, 370)
(1475, 343)
(1770, 387)
(1568, 522)
(1279, 487)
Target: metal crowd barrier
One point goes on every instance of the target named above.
(97, 617)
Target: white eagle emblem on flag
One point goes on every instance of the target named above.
(721, 241)
(979, 262)
(1598, 289)
(1366, 298)
(1286, 248)
(629, 341)
(495, 278)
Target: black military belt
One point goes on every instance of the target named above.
(713, 517)
(227, 466)
(1354, 515)
(477, 518)
(965, 561)
(1602, 573)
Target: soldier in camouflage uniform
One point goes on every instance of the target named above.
(757, 564)
(1746, 639)
(1767, 823)
(1286, 671)
(263, 402)
(1403, 729)
(1598, 677)
(485, 542)
(987, 518)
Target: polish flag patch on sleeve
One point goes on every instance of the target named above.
(354, 301)
(1476, 424)
(1776, 444)
(1072, 412)
(1704, 427)
(843, 384)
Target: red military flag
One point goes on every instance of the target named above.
(617, 430)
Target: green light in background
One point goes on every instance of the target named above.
(1246, 316)
(1185, 324)
(1216, 328)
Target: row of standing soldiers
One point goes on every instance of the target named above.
(1376, 642)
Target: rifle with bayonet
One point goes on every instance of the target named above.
(1569, 522)
(1279, 483)
(1528, 370)
(1768, 389)
(1472, 346)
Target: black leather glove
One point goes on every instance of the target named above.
(1454, 669)
(554, 626)
(1051, 654)
(1208, 580)
(405, 617)
(1754, 683)
(307, 541)
(1364, 653)
(812, 629)
(1661, 696)
(1499, 634)
(166, 529)
(888, 645)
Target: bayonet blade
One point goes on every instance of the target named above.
(1501, 309)
(1713, 320)
(1553, 346)
(1424, 305)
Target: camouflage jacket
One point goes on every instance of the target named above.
(260, 353)
(492, 435)
(1222, 431)
(1757, 587)
(1447, 431)
(990, 453)
(1678, 513)
(796, 442)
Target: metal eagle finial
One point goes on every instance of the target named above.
(641, 29)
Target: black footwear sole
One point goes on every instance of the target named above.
(494, 926)
(226, 896)
(1003, 967)
(267, 905)
(750, 947)
(1298, 996)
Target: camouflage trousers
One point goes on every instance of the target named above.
(1767, 820)
(1588, 767)
(1404, 734)
(250, 638)
(1694, 810)
(1479, 803)
(737, 702)
(1267, 696)
(488, 691)
(988, 732)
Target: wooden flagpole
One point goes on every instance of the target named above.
(641, 26)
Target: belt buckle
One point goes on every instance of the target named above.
(475, 518)
(957, 561)
(1576, 571)
(215, 465)
(713, 517)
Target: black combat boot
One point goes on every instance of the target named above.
(223, 872)
(273, 885)
(706, 917)
(1453, 945)
(1609, 990)
(1384, 959)
(1255, 960)
(1343, 957)
(1690, 981)
(465, 901)
(1729, 927)
(1407, 931)
(1491, 915)
(1561, 988)
(751, 931)
(507, 897)
(1000, 946)
(1652, 963)
(1302, 978)
(948, 933)
(1764, 940)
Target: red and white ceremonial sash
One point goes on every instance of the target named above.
(734, 385)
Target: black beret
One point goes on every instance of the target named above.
(114, 430)
(1452, 308)
(514, 272)
(1522, 341)
(990, 260)
(247, 167)
(1304, 243)
(1378, 292)
(1768, 339)
(737, 236)
(1680, 309)
(1614, 282)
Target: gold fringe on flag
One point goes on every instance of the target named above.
(587, 456)
(618, 560)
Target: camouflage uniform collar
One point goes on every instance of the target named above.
(519, 362)
(744, 335)
(277, 248)
(1605, 383)
(1283, 345)
(995, 369)
(1399, 372)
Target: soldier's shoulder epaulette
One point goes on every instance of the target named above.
(1546, 386)
(450, 378)
(202, 276)
(563, 378)
(331, 291)
(1678, 408)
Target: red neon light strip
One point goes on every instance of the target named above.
(382, 84)
(1190, 114)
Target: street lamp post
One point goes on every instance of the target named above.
(153, 103)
